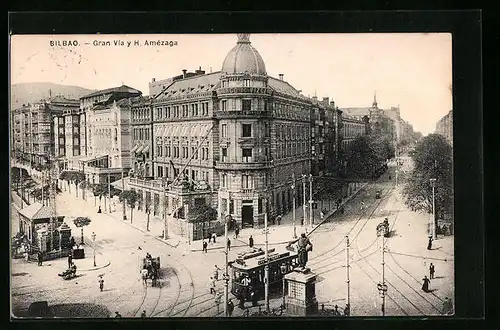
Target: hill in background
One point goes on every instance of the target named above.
(33, 92)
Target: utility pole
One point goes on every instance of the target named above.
(165, 220)
(123, 191)
(227, 218)
(266, 268)
(43, 177)
(381, 286)
(347, 272)
(397, 163)
(109, 193)
(311, 221)
(22, 186)
(434, 233)
(293, 209)
(304, 206)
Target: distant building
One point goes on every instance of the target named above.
(37, 131)
(105, 134)
(444, 126)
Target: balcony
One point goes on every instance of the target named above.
(244, 90)
(154, 184)
(233, 165)
(232, 114)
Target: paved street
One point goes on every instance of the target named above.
(184, 289)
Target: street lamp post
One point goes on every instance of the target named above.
(93, 240)
(304, 205)
(266, 267)
(227, 219)
(311, 221)
(433, 220)
(123, 191)
(293, 210)
(381, 286)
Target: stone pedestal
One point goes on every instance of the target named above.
(300, 299)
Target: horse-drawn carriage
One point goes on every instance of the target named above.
(383, 228)
(150, 268)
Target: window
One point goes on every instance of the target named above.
(247, 155)
(224, 154)
(246, 105)
(168, 112)
(192, 150)
(246, 130)
(224, 130)
(223, 180)
(246, 83)
(246, 181)
(196, 110)
(224, 105)
(231, 206)
(224, 83)
(160, 171)
(206, 153)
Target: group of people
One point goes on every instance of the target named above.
(447, 303)
(336, 312)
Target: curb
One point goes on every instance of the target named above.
(85, 269)
(241, 245)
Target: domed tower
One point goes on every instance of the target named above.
(244, 136)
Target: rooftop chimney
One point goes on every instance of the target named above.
(315, 98)
(332, 103)
(281, 76)
(153, 80)
(326, 100)
(184, 73)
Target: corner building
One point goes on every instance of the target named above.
(238, 131)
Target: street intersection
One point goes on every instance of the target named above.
(184, 287)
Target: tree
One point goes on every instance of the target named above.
(81, 222)
(16, 173)
(130, 197)
(100, 190)
(363, 157)
(432, 159)
(202, 213)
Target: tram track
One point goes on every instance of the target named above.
(327, 254)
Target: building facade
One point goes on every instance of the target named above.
(444, 127)
(36, 131)
(104, 134)
(234, 137)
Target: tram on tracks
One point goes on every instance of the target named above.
(248, 270)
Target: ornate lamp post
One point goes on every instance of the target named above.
(93, 240)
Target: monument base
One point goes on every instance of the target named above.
(296, 307)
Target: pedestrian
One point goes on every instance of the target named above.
(429, 245)
(445, 230)
(336, 311)
(236, 231)
(39, 257)
(425, 285)
(347, 310)
(205, 245)
(431, 271)
(214, 235)
(217, 301)
(117, 315)
(451, 228)
(279, 220)
(72, 242)
(143, 314)
(101, 284)
(447, 307)
(99, 210)
(250, 241)
(241, 299)
(362, 205)
(114, 207)
(253, 296)
(212, 285)
(70, 259)
(230, 307)
(216, 272)
(228, 244)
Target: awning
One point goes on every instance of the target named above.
(118, 184)
(135, 148)
(185, 130)
(145, 149)
(160, 130)
(167, 131)
(205, 129)
(195, 130)
(175, 131)
(139, 150)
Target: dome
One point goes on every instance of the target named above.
(244, 58)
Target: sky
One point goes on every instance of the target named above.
(412, 70)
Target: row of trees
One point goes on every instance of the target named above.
(432, 159)
(366, 154)
(75, 177)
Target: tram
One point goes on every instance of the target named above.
(248, 270)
